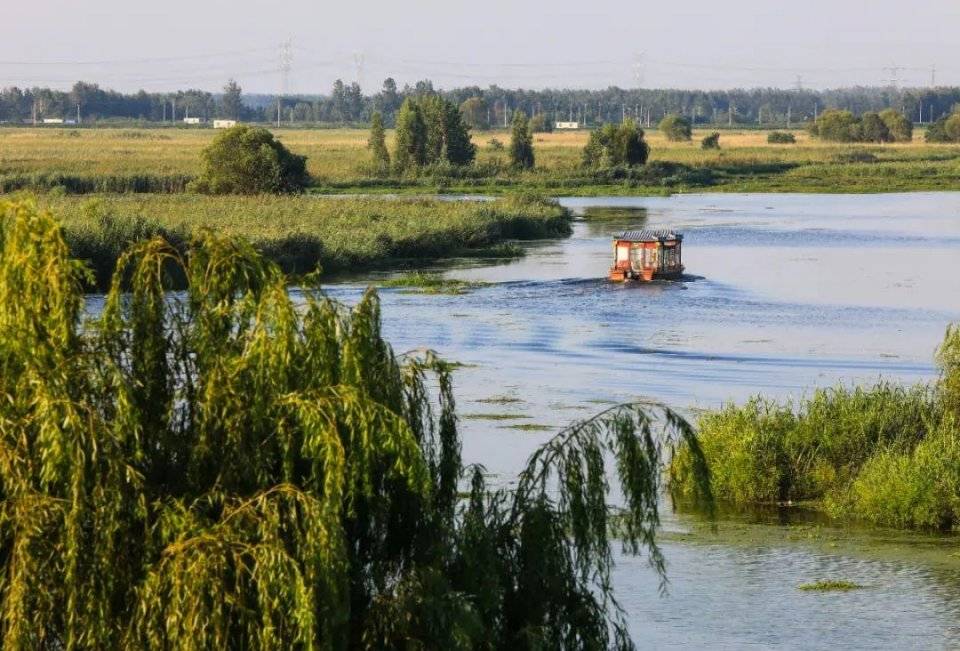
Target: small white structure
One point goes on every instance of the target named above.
(224, 124)
(192, 120)
(53, 120)
(567, 125)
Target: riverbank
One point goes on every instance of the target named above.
(80, 161)
(303, 234)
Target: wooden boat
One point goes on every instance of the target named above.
(647, 255)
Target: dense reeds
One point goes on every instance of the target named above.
(302, 234)
(225, 469)
(887, 454)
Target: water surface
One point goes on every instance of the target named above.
(785, 293)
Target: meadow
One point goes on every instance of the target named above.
(302, 234)
(164, 159)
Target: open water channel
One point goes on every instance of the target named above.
(785, 293)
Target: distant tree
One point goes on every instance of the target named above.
(781, 138)
(521, 142)
(338, 95)
(434, 115)
(951, 127)
(410, 139)
(900, 128)
(676, 128)
(248, 160)
(937, 132)
(711, 142)
(458, 147)
(837, 126)
(378, 143)
(474, 111)
(539, 123)
(613, 145)
(353, 102)
(231, 104)
(872, 129)
(389, 98)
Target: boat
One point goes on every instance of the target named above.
(647, 255)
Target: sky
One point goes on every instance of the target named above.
(715, 44)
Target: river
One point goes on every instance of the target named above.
(784, 293)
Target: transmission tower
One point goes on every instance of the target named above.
(638, 68)
(358, 60)
(286, 63)
(798, 84)
(893, 76)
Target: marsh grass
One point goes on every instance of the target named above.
(830, 585)
(429, 283)
(303, 234)
(885, 454)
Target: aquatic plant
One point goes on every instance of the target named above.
(223, 468)
(886, 454)
(830, 585)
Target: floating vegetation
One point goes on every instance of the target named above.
(830, 586)
(494, 416)
(529, 427)
(499, 400)
(428, 283)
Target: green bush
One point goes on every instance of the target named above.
(711, 142)
(612, 146)
(945, 129)
(781, 138)
(249, 160)
(676, 128)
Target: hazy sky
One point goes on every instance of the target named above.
(131, 44)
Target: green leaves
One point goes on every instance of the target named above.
(228, 468)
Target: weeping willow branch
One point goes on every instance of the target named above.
(230, 469)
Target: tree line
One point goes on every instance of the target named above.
(483, 108)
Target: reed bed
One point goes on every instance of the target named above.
(886, 454)
(304, 233)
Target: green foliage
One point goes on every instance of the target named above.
(410, 140)
(872, 129)
(475, 113)
(781, 138)
(378, 144)
(231, 102)
(829, 585)
(249, 160)
(837, 126)
(228, 469)
(302, 234)
(945, 129)
(711, 142)
(540, 123)
(676, 128)
(613, 146)
(900, 128)
(888, 455)
(521, 142)
(443, 136)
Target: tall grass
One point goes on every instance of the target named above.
(302, 234)
(886, 454)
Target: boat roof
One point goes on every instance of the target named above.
(649, 235)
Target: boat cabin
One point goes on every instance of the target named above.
(646, 255)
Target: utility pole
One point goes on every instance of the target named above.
(286, 62)
(788, 115)
(933, 76)
(730, 115)
(78, 112)
(173, 110)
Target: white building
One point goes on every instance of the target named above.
(53, 120)
(192, 120)
(224, 124)
(567, 125)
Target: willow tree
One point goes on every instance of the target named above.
(232, 469)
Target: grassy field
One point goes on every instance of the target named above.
(301, 233)
(92, 160)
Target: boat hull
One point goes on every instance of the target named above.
(644, 275)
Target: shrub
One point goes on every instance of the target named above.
(711, 142)
(855, 156)
(837, 126)
(612, 146)
(521, 142)
(945, 129)
(781, 138)
(539, 123)
(676, 128)
(249, 160)
(900, 128)
(872, 129)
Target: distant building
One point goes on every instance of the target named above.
(224, 124)
(53, 120)
(567, 125)
(192, 120)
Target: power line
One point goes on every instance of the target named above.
(104, 62)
